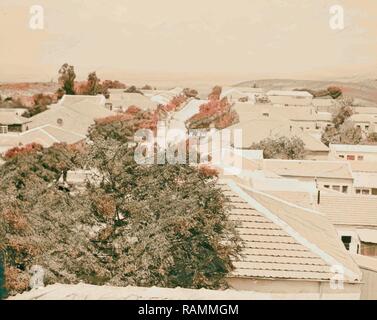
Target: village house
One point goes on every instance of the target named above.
(74, 114)
(353, 152)
(305, 118)
(355, 218)
(120, 101)
(365, 177)
(287, 249)
(290, 98)
(11, 120)
(258, 129)
(334, 175)
(366, 122)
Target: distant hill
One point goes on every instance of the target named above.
(27, 88)
(364, 91)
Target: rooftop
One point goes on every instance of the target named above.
(354, 148)
(284, 241)
(309, 168)
(11, 118)
(350, 210)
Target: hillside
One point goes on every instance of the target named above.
(365, 91)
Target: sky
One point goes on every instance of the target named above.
(158, 39)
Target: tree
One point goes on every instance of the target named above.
(67, 78)
(218, 113)
(190, 93)
(215, 93)
(371, 138)
(334, 92)
(281, 148)
(170, 219)
(93, 84)
(163, 225)
(344, 113)
(345, 134)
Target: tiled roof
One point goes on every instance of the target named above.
(350, 210)
(272, 249)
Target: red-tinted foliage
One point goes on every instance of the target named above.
(215, 94)
(29, 148)
(208, 171)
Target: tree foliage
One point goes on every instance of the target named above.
(67, 78)
(163, 225)
(281, 148)
(218, 113)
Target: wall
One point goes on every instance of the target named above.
(297, 289)
(369, 286)
(292, 101)
(316, 155)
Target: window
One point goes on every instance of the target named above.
(341, 156)
(3, 129)
(366, 192)
(366, 127)
(360, 158)
(266, 114)
(326, 186)
(374, 191)
(358, 191)
(350, 157)
(347, 241)
(336, 188)
(344, 189)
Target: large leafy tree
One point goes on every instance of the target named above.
(163, 225)
(67, 78)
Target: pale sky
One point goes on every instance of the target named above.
(239, 38)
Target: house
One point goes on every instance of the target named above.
(365, 183)
(335, 175)
(353, 152)
(12, 121)
(237, 95)
(355, 218)
(254, 131)
(368, 267)
(366, 122)
(287, 249)
(305, 118)
(165, 97)
(73, 113)
(46, 136)
(365, 175)
(290, 98)
(121, 101)
(324, 104)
